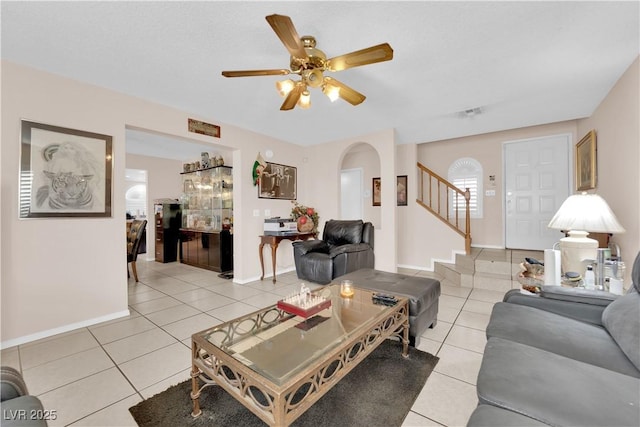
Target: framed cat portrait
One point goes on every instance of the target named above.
(64, 172)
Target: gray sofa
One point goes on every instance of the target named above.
(18, 407)
(568, 357)
(346, 246)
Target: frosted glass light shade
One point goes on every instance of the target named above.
(305, 100)
(284, 87)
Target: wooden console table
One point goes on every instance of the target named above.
(274, 241)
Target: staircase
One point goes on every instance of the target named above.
(491, 269)
(445, 201)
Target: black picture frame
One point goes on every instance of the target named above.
(376, 199)
(64, 172)
(278, 182)
(401, 190)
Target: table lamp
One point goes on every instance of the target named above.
(580, 215)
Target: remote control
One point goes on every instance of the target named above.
(385, 298)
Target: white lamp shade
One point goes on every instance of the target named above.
(586, 212)
(579, 215)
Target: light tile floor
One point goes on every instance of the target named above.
(91, 376)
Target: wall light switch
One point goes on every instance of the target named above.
(256, 212)
(490, 193)
(267, 213)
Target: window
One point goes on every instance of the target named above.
(466, 173)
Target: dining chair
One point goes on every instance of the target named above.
(133, 244)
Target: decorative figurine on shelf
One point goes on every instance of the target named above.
(306, 217)
(205, 160)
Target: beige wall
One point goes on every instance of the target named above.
(325, 185)
(422, 238)
(617, 125)
(61, 274)
(486, 149)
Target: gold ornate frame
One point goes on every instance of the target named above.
(586, 162)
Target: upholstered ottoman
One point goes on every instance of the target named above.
(423, 294)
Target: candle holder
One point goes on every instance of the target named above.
(346, 289)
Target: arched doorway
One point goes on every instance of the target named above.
(360, 165)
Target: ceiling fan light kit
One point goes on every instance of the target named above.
(310, 64)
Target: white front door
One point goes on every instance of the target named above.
(537, 181)
(351, 194)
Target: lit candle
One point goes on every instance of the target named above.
(346, 289)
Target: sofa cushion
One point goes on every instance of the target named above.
(558, 334)
(635, 273)
(341, 232)
(622, 320)
(577, 295)
(554, 389)
(492, 416)
(26, 410)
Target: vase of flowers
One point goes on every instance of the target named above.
(306, 217)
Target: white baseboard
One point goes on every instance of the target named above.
(488, 247)
(62, 329)
(256, 278)
(431, 266)
(414, 267)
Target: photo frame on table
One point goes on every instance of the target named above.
(375, 190)
(278, 182)
(586, 162)
(64, 172)
(401, 190)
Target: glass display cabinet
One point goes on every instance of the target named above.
(206, 238)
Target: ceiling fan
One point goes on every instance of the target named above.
(311, 64)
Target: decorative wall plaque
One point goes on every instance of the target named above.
(203, 128)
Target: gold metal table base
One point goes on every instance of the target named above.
(281, 405)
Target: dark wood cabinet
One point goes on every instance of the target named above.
(211, 250)
(168, 218)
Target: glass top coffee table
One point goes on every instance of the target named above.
(278, 364)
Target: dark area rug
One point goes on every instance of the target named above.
(378, 392)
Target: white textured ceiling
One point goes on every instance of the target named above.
(522, 63)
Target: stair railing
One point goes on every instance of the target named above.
(441, 199)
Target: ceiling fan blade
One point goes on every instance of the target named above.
(292, 98)
(350, 95)
(284, 29)
(370, 55)
(250, 73)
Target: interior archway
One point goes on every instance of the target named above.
(363, 159)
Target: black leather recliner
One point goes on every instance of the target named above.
(346, 246)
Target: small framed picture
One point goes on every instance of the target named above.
(376, 199)
(278, 182)
(64, 172)
(586, 162)
(401, 190)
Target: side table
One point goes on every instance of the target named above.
(274, 241)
